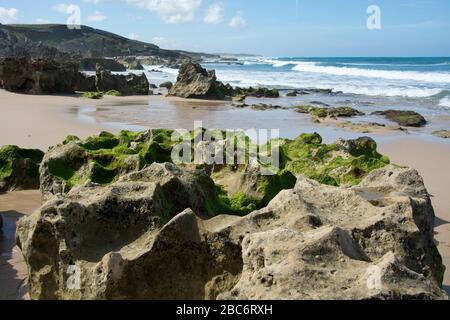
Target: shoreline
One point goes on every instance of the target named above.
(43, 121)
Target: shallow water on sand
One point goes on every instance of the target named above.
(182, 114)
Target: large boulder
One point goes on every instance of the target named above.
(37, 76)
(19, 168)
(372, 241)
(195, 82)
(127, 85)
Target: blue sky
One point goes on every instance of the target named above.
(272, 28)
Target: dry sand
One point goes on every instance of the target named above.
(42, 121)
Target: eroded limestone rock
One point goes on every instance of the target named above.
(371, 241)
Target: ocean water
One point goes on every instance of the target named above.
(425, 81)
(367, 84)
(403, 77)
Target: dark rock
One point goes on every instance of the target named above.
(264, 107)
(257, 92)
(89, 64)
(127, 85)
(195, 82)
(85, 83)
(320, 103)
(344, 112)
(168, 85)
(338, 112)
(38, 76)
(19, 168)
(292, 94)
(403, 117)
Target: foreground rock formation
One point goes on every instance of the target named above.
(19, 168)
(105, 158)
(146, 237)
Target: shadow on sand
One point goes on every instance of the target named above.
(12, 285)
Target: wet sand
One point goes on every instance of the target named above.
(13, 270)
(42, 121)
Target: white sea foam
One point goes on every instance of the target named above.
(445, 102)
(432, 77)
(347, 80)
(370, 87)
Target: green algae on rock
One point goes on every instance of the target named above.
(241, 188)
(93, 95)
(341, 163)
(403, 117)
(321, 112)
(19, 168)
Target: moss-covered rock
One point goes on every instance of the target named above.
(113, 93)
(265, 107)
(19, 168)
(341, 163)
(322, 112)
(242, 188)
(403, 117)
(93, 95)
(261, 92)
(444, 134)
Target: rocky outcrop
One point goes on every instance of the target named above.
(104, 158)
(90, 64)
(336, 112)
(131, 63)
(147, 236)
(85, 83)
(38, 76)
(260, 92)
(194, 82)
(444, 134)
(168, 85)
(403, 117)
(19, 168)
(128, 85)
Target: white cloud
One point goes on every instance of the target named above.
(214, 14)
(99, 1)
(10, 15)
(42, 21)
(133, 36)
(96, 17)
(238, 21)
(65, 8)
(171, 11)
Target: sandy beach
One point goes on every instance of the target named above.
(42, 121)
